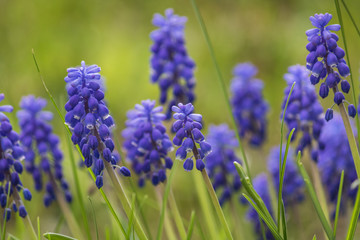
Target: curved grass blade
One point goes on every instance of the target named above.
(271, 227)
(94, 216)
(78, 148)
(351, 17)
(222, 83)
(338, 202)
(314, 199)
(12, 237)
(191, 225)
(283, 218)
(131, 220)
(57, 236)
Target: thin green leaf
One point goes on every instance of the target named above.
(191, 225)
(94, 216)
(281, 177)
(165, 197)
(351, 17)
(57, 236)
(131, 220)
(222, 83)
(354, 217)
(78, 148)
(38, 228)
(314, 199)
(338, 202)
(199, 229)
(59, 223)
(271, 227)
(12, 237)
(283, 218)
(314, 238)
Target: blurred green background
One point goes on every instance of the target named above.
(115, 35)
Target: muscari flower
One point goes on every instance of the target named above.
(189, 137)
(11, 155)
(147, 143)
(335, 156)
(89, 120)
(248, 104)
(304, 111)
(38, 139)
(220, 162)
(172, 68)
(293, 185)
(261, 186)
(326, 60)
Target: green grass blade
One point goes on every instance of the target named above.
(38, 228)
(165, 197)
(253, 194)
(314, 238)
(222, 83)
(12, 237)
(354, 218)
(271, 227)
(338, 202)
(59, 223)
(78, 148)
(200, 231)
(191, 225)
(94, 216)
(78, 188)
(176, 215)
(283, 218)
(351, 17)
(314, 199)
(131, 220)
(57, 236)
(280, 155)
(355, 99)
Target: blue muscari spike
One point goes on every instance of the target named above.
(293, 185)
(304, 111)
(39, 140)
(89, 119)
(261, 186)
(147, 143)
(326, 58)
(11, 157)
(172, 68)
(335, 156)
(248, 104)
(220, 162)
(186, 127)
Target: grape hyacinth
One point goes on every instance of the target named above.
(220, 162)
(261, 186)
(188, 136)
(324, 58)
(248, 104)
(38, 139)
(172, 68)
(11, 155)
(335, 156)
(304, 111)
(293, 186)
(147, 143)
(89, 120)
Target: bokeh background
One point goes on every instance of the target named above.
(115, 35)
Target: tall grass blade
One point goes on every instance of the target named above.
(78, 148)
(57, 236)
(222, 83)
(283, 218)
(191, 225)
(131, 220)
(351, 17)
(38, 228)
(314, 199)
(338, 202)
(94, 216)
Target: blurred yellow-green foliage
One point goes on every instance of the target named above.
(115, 35)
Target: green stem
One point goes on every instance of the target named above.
(351, 17)
(351, 138)
(222, 83)
(30, 225)
(124, 200)
(176, 214)
(216, 204)
(354, 218)
(168, 226)
(78, 189)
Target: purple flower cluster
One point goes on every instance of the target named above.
(38, 139)
(11, 155)
(261, 186)
(89, 119)
(293, 187)
(249, 106)
(147, 143)
(335, 156)
(220, 162)
(188, 136)
(172, 68)
(324, 58)
(304, 111)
